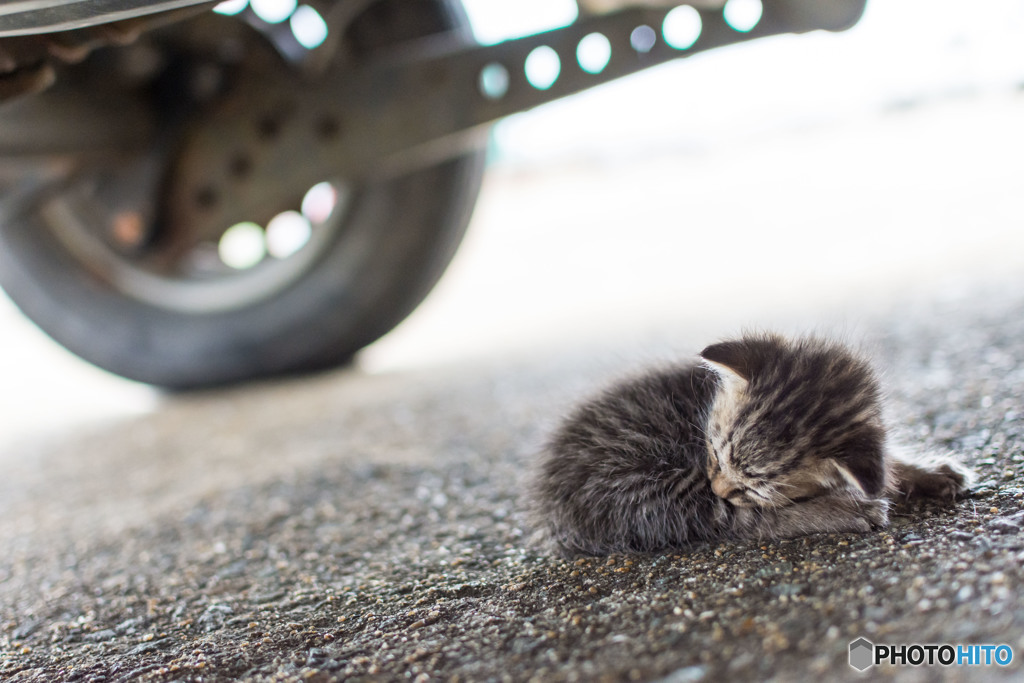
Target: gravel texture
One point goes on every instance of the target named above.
(351, 527)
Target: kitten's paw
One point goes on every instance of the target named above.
(875, 513)
(945, 480)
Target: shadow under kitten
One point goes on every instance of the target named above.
(762, 437)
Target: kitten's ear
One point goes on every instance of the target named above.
(864, 470)
(731, 360)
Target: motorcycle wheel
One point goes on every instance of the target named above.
(358, 260)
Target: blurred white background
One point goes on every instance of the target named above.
(799, 175)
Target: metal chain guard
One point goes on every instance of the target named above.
(275, 136)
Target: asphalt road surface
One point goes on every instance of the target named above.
(359, 526)
(366, 525)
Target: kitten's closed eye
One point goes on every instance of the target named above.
(802, 499)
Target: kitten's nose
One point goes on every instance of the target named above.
(722, 487)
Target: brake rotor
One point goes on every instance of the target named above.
(248, 161)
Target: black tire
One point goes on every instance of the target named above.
(396, 239)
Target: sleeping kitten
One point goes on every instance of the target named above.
(763, 438)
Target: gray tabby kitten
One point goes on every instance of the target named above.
(763, 438)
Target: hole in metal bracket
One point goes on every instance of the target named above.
(542, 67)
(242, 246)
(593, 53)
(308, 27)
(273, 11)
(493, 81)
(682, 27)
(231, 7)
(287, 233)
(742, 15)
(643, 39)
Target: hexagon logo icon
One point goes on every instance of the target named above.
(862, 654)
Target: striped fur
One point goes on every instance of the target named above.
(763, 437)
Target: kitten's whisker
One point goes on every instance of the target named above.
(778, 498)
(772, 495)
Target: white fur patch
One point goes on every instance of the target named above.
(847, 475)
(729, 376)
(729, 397)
